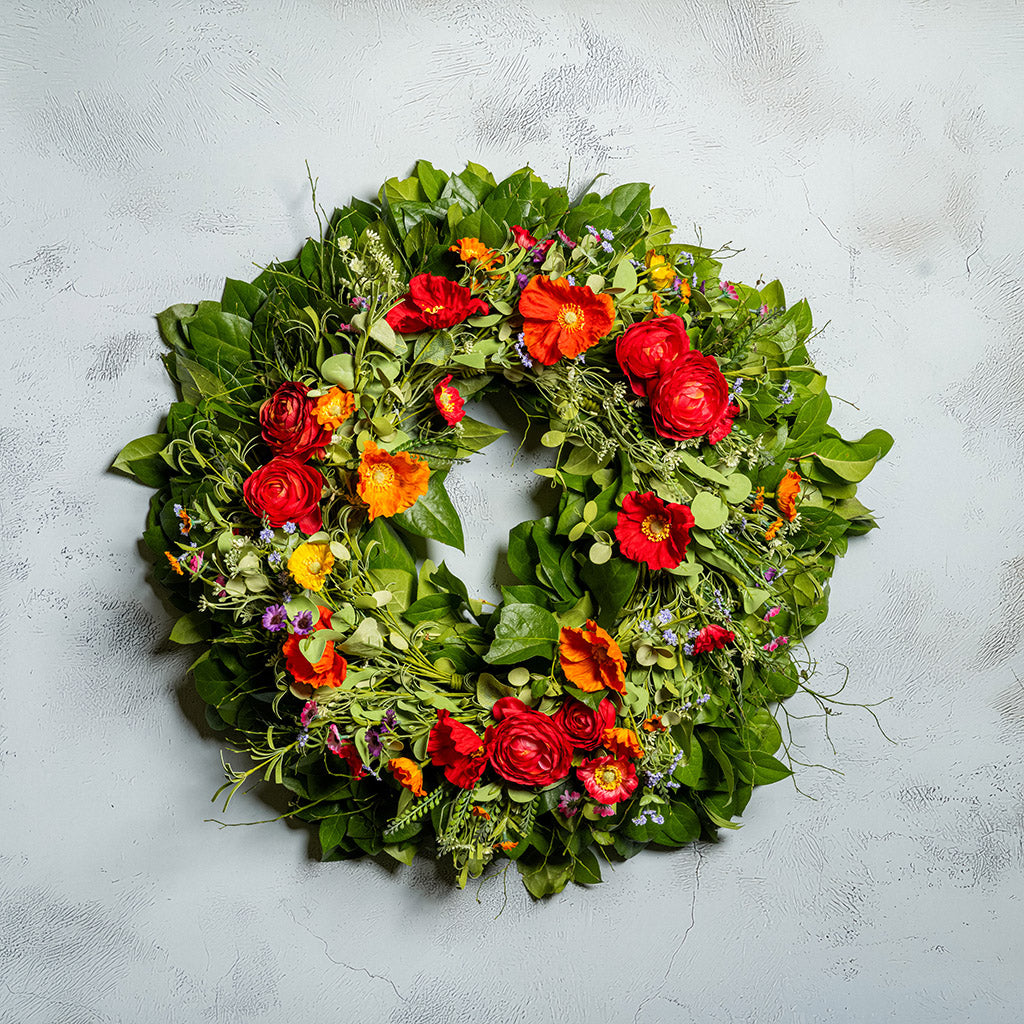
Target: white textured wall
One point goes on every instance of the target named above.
(868, 153)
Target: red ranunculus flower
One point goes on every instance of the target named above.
(330, 670)
(289, 425)
(523, 237)
(690, 399)
(431, 303)
(456, 748)
(648, 350)
(448, 401)
(583, 725)
(285, 490)
(723, 427)
(608, 779)
(653, 531)
(712, 638)
(562, 319)
(526, 747)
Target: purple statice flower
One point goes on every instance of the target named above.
(570, 279)
(178, 509)
(286, 596)
(646, 625)
(737, 388)
(786, 392)
(581, 358)
(566, 239)
(670, 637)
(593, 231)
(607, 235)
(303, 738)
(692, 634)
(289, 527)
(302, 624)
(688, 650)
(608, 247)
(309, 711)
(274, 558)
(524, 356)
(522, 280)
(568, 805)
(275, 618)
(266, 535)
(664, 617)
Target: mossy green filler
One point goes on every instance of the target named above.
(415, 640)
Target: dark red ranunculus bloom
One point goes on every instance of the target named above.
(432, 303)
(526, 747)
(712, 638)
(690, 399)
(648, 350)
(584, 725)
(456, 748)
(285, 490)
(288, 424)
(653, 531)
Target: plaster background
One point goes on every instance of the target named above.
(867, 153)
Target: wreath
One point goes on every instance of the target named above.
(624, 692)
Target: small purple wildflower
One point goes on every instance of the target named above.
(275, 618)
(286, 596)
(522, 280)
(664, 617)
(302, 624)
(608, 247)
(274, 558)
(581, 358)
(646, 625)
(692, 634)
(737, 388)
(303, 738)
(607, 235)
(688, 650)
(266, 535)
(570, 279)
(524, 356)
(289, 527)
(373, 744)
(592, 230)
(178, 509)
(670, 637)
(786, 392)
(359, 302)
(568, 804)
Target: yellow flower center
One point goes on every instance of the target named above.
(655, 528)
(446, 400)
(571, 318)
(433, 309)
(608, 777)
(382, 476)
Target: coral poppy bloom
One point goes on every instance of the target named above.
(470, 249)
(653, 724)
(408, 775)
(769, 534)
(390, 484)
(562, 319)
(448, 401)
(712, 638)
(608, 779)
(334, 407)
(758, 500)
(653, 531)
(432, 303)
(330, 670)
(621, 743)
(456, 748)
(591, 659)
(785, 494)
(310, 565)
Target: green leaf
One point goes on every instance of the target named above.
(241, 298)
(333, 831)
(220, 340)
(767, 769)
(140, 459)
(546, 878)
(339, 370)
(389, 552)
(709, 511)
(808, 425)
(522, 552)
(366, 640)
(523, 631)
(190, 629)
(625, 278)
(611, 583)
(433, 515)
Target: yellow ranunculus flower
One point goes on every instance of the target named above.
(310, 564)
(662, 272)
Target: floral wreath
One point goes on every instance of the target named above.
(622, 692)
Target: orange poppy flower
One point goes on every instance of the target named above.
(562, 319)
(390, 483)
(175, 564)
(758, 500)
(653, 724)
(785, 494)
(473, 249)
(408, 774)
(591, 659)
(621, 743)
(769, 534)
(684, 290)
(334, 407)
(659, 309)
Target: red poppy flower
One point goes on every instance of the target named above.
(523, 237)
(608, 779)
(562, 319)
(457, 749)
(653, 531)
(330, 670)
(448, 401)
(432, 303)
(712, 638)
